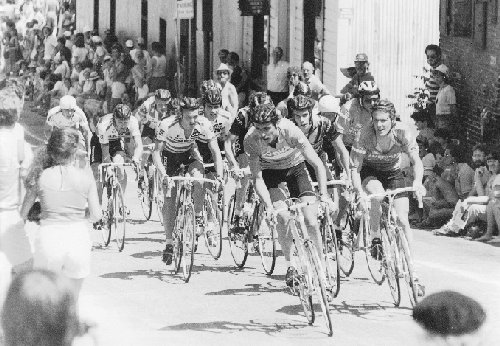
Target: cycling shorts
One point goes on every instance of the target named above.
(173, 161)
(148, 132)
(95, 150)
(390, 179)
(206, 154)
(296, 178)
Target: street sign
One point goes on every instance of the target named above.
(254, 7)
(185, 9)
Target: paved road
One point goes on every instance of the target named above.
(137, 301)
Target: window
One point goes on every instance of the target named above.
(480, 23)
(144, 21)
(112, 16)
(96, 15)
(462, 18)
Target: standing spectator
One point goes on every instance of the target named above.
(318, 89)
(50, 43)
(80, 51)
(223, 56)
(433, 54)
(141, 46)
(239, 78)
(228, 93)
(362, 74)
(69, 43)
(129, 46)
(63, 51)
(158, 79)
(51, 9)
(277, 81)
(120, 75)
(109, 40)
(62, 243)
(446, 108)
(139, 75)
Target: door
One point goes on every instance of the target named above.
(163, 32)
(112, 16)
(96, 15)
(207, 37)
(144, 21)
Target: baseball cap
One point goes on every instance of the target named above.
(129, 44)
(443, 69)
(223, 67)
(361, 57)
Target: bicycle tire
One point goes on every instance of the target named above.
(145, 195)
(177, 240)
(119, 217)
(319, 280)
(331, 254)
(407, 268)
(188, 240)
(266, 238)
(238, 243)
(213, 229)
(304, 291)
(346, 244)
(390, 265)
(159, 197)
(374, 264)
(105, 229)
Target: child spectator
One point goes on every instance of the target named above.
(446, 109)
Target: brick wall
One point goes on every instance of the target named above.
(477, 81)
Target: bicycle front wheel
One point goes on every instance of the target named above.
(238, 243)
(267, 241)
(345, 240)
(158, 196)
(188, 241)
(390, 265)
(213, 228)
(105, 228)
(407, 268)
(304, 286)
(177, 240)
(119, 217)
(374, 254)
(331, 254)
(146, 194)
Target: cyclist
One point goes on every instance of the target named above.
(277, 150)
(115, 131)
(300, 88)
(356, 113)
(234, 149)
(375, 166)
(175, 145)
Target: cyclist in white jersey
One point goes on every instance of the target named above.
(175, 145)
(375, 160)
(277, 150)
(120, 138)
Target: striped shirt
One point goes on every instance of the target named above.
(431, 85)
(107, 130)
(148, 114)
(171, 132)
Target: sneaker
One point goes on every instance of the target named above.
(420, 288)
(376, 249)
(291, 275)
(168, 254)
(449, 230)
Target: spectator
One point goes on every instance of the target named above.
(120, 75)
(61, 88)
(62, 50)
(446, 108)
(443, 137)
(450, 318)
(318, 89)
(129, 45)
(158, 79)
(492, 211)
(223, 56)
(433, 54)
(457, 171)
(50, 44)
(69, 41)
(277, 81)
(141, 46)
(426, 153)
(41, 310)
(362, 74)
(109, 40)
(239, 78)
(229, 93)
(61, 67)
(139, 75)
(422, 121)
(80, 51)
(63, 243)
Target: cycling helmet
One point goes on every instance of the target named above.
(302, 89)
(265, 113)
(259, 98)
(67, 102)
(189, 103)
(368, 88)
(329, 104)
(299, 102)
(385, 106)
(212, 97)
(207, 84)
(122, 111)
(163, 95)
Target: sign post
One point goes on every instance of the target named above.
(185, 10)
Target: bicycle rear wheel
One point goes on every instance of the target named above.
(407, 268)
(390, 265)
(188, 241)
(145, 194)
(177, 240)
(105, 228)
(119, 217)
(267, 241)
(238, 243)
(159, 196)
(374, 262)
(213, 228)
(346, 244)
(331, 255)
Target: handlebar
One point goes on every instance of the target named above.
(113, 164)
(339, 182)
(396, 192)
(170, 181)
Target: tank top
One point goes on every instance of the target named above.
(161, 66)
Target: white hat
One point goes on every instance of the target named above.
(67, 102)
(96, 39)
(443, 69)
(223, 67)
(129, 44)
(329, 104)
(67, 34)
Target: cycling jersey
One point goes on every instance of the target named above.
(171, 132)
(287, 152)
(148, 114)
(239, 128)
(321, 128)
(78, 120)
(353, 117)
(108, 132)
(220, 125)
(373, 157)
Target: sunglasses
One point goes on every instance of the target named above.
(222, 72)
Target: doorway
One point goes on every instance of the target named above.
(112, 16)
(144, 21)
(163, 32)
(207, 38)
(313, 35)
(96, 15)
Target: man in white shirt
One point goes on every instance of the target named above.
(277, 81)
(318, 89)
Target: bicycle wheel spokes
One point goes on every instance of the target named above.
(331, 255)
(390, 266)
(345, 241)
(213, 228)
(407, 269)
(188, 241)
(105, 227)
(237, 242)
(145, 194)
(304, 290)
(119, 217)
(374, 254)
(267, 241)
(158, 197)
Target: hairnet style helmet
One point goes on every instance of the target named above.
(163, 95)
(213, 97)
(264, 114)
(207, 84)
(67, 102)
(302, 89)
(368, 88)
(122, 111)
(329, 104)
(189, 103)
(299, 102)
(259, 98)
(385, 106)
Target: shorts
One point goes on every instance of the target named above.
(149, 132)
(64, 248)
(390, 179)
(115, 146)
(95, 150)
(296, 178)
(173, 161)
(206, 154)
(14, 242)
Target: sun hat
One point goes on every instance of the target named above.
(223, 67)
(361, 57)
(129, 44)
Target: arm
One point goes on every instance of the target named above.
(28, 201)
(314, 160)
(159, 146)
(228, 148)
(93, 200)
(233, 100)
(418, 167)
(342, 155)
(356, 165)
(216, 155)
(260, 185)
(137, 148)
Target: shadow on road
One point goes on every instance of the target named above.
(361, 310)
(161, 275)
(248, 290)
(145, 239)
(227, 326)
(148, 254)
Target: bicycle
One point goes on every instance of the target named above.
(311, 278)
(184, 232)
(396, 260)
(146, 188)
(115, 214)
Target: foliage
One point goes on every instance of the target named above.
(420, 96)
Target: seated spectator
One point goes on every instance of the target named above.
(80, 52)
(318, 89)
(492, 212)
(422, 121)
(61, 88)
(457, 171)
(41, 310)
